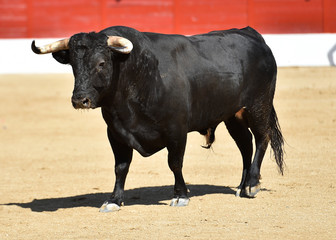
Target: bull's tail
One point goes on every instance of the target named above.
(277, 141)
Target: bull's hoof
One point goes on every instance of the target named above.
(179, 202)
(109, 207)
(238, 192)
(252, 191)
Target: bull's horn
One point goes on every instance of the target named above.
(52, 47)
(120, 44)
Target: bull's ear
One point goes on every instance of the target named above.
(62, 56)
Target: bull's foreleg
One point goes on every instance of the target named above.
(175, 160)
(123, 157)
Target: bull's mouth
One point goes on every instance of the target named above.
(83, 103)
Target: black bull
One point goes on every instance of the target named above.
(153, 89)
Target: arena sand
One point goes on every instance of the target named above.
(57, 169)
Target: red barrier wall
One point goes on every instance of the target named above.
(59, 18)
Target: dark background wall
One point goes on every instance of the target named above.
(59, 18)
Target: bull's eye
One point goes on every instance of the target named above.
(101, 65)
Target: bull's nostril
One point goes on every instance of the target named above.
(86, 102)
(81, 103)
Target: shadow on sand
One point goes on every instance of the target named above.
(137, 196)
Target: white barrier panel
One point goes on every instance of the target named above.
(289, 50)
(303, 49)
(17, 57)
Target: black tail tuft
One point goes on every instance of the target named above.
(277, 141)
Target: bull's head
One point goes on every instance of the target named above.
(90, 56)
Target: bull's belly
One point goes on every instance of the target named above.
(201, 120)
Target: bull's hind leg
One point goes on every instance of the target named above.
(259, 125)
(252, 186)
(243, 138)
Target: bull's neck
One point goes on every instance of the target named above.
(139, 79)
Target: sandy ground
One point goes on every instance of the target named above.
(57, 169)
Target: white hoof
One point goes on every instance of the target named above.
(252, 191)
(238, 192)
(109, 207)
(179, 202)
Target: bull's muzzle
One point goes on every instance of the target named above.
(83, 103)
